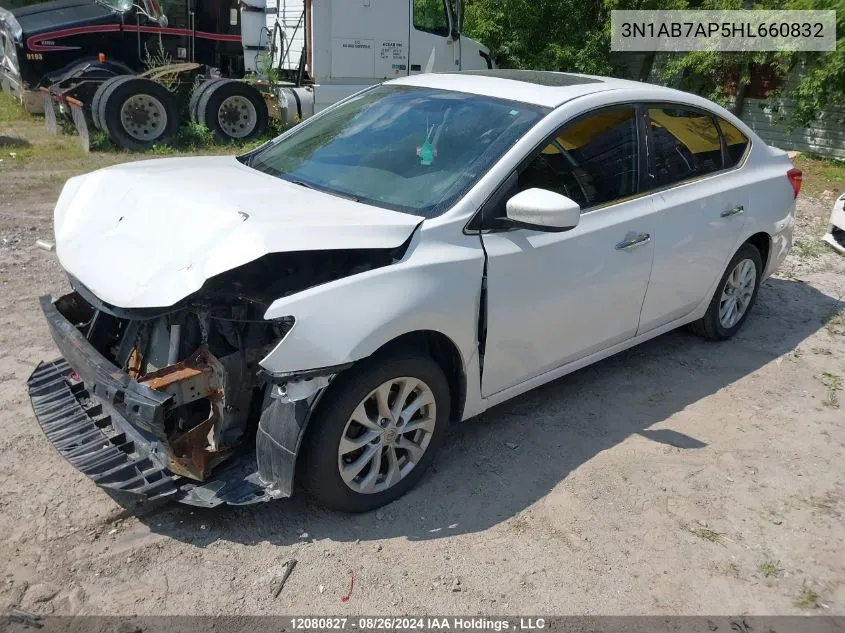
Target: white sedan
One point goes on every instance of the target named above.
(322, 307)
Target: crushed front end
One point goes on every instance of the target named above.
(157, 403)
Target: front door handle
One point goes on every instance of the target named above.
(735, 211)
(637, 240)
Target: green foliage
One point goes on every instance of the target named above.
(195, 136)
(574, 36)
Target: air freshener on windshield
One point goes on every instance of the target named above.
(426, 153)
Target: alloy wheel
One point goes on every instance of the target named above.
(737, 293)
(387, 435)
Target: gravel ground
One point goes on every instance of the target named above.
(680, 477)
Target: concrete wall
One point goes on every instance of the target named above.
(825, 136)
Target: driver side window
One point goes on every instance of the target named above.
(592, 160)
(430, 16)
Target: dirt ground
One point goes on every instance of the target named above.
(680, 477)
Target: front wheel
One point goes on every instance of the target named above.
(138, 113)
(375, 432)
(734, 297)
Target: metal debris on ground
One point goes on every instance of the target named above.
(289, 565)
(45, 244)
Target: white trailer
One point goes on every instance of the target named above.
(345, 46)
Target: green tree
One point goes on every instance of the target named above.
(574, 36)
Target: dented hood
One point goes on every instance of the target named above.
(150, 233)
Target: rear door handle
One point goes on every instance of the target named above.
(735, 211)
(637, 240)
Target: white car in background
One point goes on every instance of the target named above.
(835, 235)
(325, 305)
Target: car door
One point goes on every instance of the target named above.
(701, 207)
(553, 298)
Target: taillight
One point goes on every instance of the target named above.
(796, 176)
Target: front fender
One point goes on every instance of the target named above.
(436, 286)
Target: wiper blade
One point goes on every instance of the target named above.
(333, 192)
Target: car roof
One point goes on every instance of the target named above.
(538, 87)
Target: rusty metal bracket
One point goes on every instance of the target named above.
(200, 376)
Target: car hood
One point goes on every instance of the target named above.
(147, 234)
(59, 14)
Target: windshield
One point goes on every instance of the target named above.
(416, 150)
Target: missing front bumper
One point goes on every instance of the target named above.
(104, 423)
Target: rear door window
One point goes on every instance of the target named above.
(735, 142)
(685, 145)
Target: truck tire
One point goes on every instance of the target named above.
(233, 110)
(197, 94)
(138, 113)
(98, 97)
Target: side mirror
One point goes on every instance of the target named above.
(543, 210)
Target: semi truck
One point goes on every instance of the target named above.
(137, 69)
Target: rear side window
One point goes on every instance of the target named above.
(735, 141)
(592, 160)
(686, 145)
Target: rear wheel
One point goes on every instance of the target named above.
(233, 110)
(734, 297)
(197, 94)
(138, 113)
(375, 432)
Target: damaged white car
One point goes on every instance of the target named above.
(318, 310)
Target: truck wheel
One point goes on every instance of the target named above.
(197, 94)
(138, 113)
(233, 110)
(98, 97)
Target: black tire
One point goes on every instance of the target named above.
(197, 94)
(318, 471)
(113, 100)
(709, 326)
(209, 104)
(98, 97)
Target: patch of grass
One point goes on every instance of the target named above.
(809, 249)
(807, 598)
(820, 175)
(769, 569)
(831, 400)
(196, 135)
(11, 110)
(834, 321)
(831, 381)
(706, 533)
